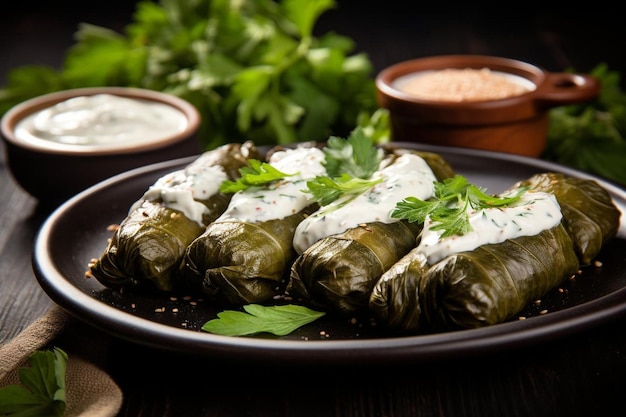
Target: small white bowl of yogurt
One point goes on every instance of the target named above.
(61, 143)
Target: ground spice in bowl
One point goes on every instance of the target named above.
(465, 84)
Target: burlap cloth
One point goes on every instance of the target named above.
(89, 390)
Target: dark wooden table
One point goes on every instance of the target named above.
(579, 375)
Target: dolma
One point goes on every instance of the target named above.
(243, 256)
(147, 247)
(491, 283)
(472, 289)
(589, 214)
(338, 270)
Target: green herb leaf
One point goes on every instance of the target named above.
(450, 204)
(279, 320)
(356, 156)
(591, 136)
(349, 164)
(43, 390)
(325, 190)
(256, 174)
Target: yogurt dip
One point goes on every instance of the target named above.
(100, 120)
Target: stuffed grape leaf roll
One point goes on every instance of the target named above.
(472, 289)
(508, 257)
(147, 247)
(243, 256)
(347, 245)
(589, 214)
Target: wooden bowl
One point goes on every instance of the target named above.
(517, 123)
(52, 170)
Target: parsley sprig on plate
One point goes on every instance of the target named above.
(448, 209)
(278, 320)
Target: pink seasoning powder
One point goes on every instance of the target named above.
(456, 85)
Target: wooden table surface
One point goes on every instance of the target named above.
(579, 375)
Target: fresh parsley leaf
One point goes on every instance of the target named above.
(255, 174)
(350, 164)
(448, 209)
(278, 320)
(43, 390)
(356, 156)
(325, 190)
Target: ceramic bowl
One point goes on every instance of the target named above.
(512, 122)
(54, 162)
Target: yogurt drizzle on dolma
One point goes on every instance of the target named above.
(407, 175)
(282, 198)
(184, 189)
(534, 212)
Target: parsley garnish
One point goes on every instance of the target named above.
(350, 164)
(43, 393)
(278, 320)
(356, 156)
(449, 207)
(256, 174)
(325, 190)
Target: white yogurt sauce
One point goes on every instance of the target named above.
(534, 212)
(282, 198)
(102, 119)
(409, 175)
(181, 190)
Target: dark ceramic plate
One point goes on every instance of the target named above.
(77, 232)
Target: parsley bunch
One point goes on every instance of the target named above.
(449, 208)
(253, 68)
(592, 136)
